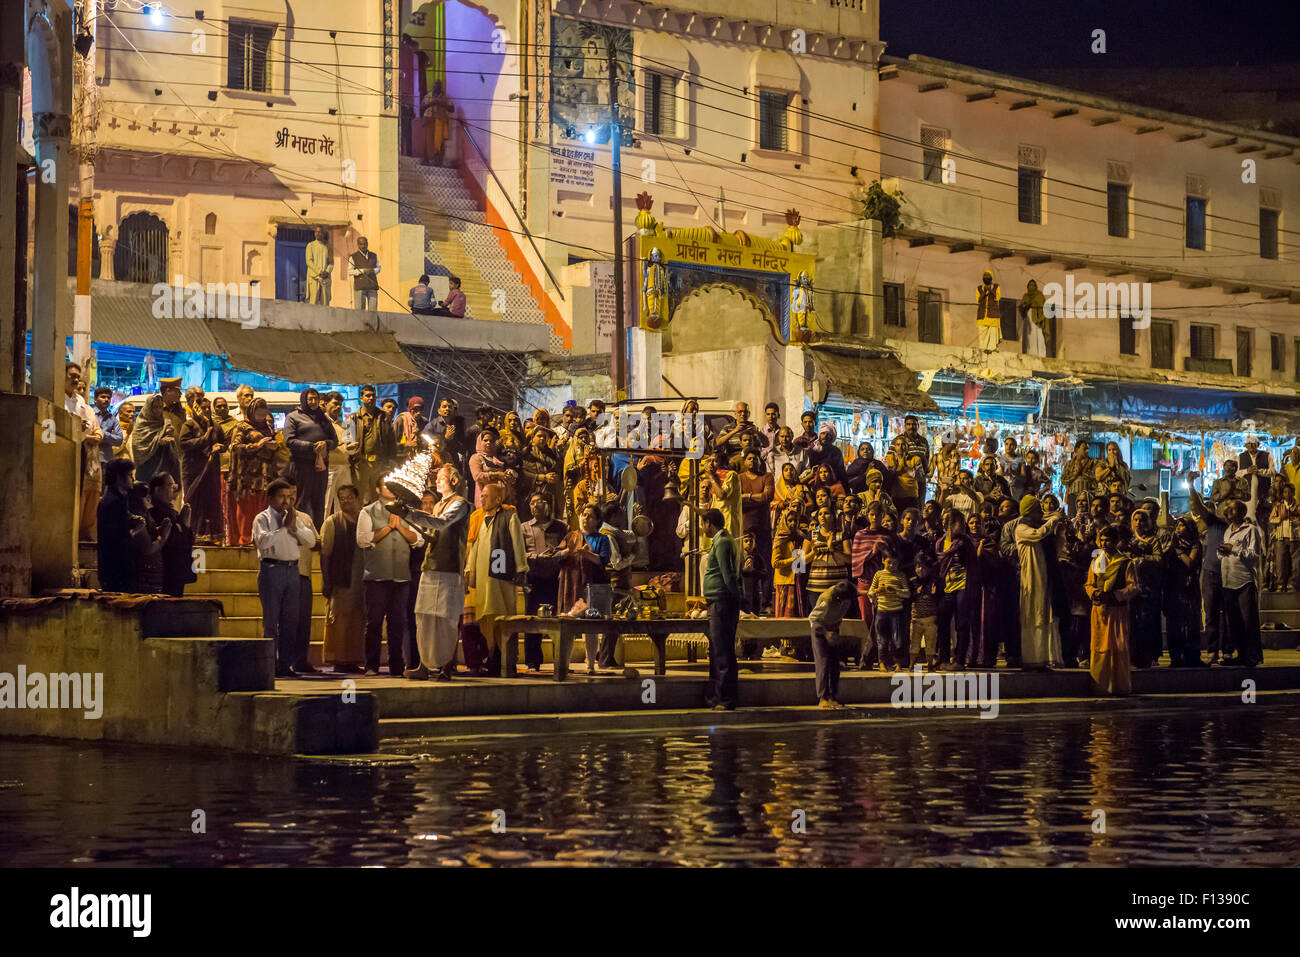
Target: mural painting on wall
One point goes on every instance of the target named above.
(580, 81)
(676, 263)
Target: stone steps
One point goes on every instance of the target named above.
(459, 242)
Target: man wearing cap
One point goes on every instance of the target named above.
(1040, 641)
(1255, 465)
(988, 313)
(174, 415)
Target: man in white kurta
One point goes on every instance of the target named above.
(1040, 639)
(319, 266)
(496, 562)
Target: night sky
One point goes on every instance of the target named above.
(1013, 35)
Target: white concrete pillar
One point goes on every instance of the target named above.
(645, 365)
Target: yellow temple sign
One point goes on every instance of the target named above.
(676, 262)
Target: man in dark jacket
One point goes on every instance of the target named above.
(310, 436)
(722, 592)
(116, 555)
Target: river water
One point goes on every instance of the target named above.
(1176, 788)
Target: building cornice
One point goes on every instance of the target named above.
(1019, 93)
(829, 40)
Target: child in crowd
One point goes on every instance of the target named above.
(925, 607)
(888, 593)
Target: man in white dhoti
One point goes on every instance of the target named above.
(1040, 640)
(441, 595)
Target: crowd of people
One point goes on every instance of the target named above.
(946, 567)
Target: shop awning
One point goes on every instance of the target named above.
(128, 320)
(1172, 407)
(882, 380)
(347, 358)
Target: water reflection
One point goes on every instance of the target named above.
(1219, 788)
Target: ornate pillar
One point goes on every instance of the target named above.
(107, 247)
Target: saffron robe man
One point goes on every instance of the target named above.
(1111, 584)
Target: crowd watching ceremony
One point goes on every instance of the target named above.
(1008, 565)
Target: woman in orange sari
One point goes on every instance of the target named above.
(1112, 583)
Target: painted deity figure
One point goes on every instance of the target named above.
(654, 290)
(801, 301)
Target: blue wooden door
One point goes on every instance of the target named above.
(291, 262)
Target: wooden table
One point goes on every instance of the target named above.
(565, 631)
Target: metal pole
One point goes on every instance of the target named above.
(620, 323)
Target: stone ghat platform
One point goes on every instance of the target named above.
(163, 675)
(415, 712)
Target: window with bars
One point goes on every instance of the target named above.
(894, 304)
(929, 309)
(248, 56)
(660, 104)
(1030, 187)
(1277, 352)
(772, 108)
(1195, 222)
(1203, 341)
(1162, 343)
(1117, 206)
(934, 147)
(1245, 352)
(1268, 233)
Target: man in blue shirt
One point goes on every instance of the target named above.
(722, 592)
(108, 424)
(421, 298)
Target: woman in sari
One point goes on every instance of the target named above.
(255, 449)
(541, 474)
(575, 472)
(1112, 583)
(824, 477)
(1112, 468)
(788, 492)
(790, 552)
(154, 443)
(201, 448)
